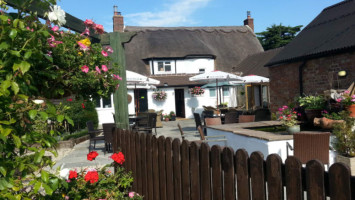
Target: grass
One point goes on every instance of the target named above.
(74, 135)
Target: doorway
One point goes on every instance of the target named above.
(140, 100)
(180, 103)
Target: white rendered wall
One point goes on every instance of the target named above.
(168, 105)
(188, 66)
(105, 114)
(131, 106)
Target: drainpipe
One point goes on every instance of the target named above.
(300, 76)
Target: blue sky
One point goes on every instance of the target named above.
(198, 12)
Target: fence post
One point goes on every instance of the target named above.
(293, 178)
(228, 169)
(257, 175)
(339, 182)
(169, 169)
(185, 170)
(274, 177)
(195, 170)
(315, 180)
(162, 167)
(205, 172)
(242, 171)
(150, 181)
(177, 170)
(217, 185)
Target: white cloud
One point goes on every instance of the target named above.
(176, 14)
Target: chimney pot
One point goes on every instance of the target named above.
(118, 24)
(249, 21)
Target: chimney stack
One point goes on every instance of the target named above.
(118, 24)
(249, 21)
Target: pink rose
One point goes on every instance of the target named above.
(104, 53)
(55, 28)
(98, 69)
(347, 92)
(86, 32)
(117, 77)
(99, 28)
(339, 100)
(104, 68)
(85, 69)
(89, 23)
(131, 194)
(109, 49)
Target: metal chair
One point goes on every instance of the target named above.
(197, 120)
(310, 145)
(148, 124)
(108, 128)
(210, 138)
(93, 133)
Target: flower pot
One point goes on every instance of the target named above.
(326, 123)
(311, 114)
(351, 108)
(293, 129)
(166, 119)
(173, 117)
(349, 161)
(246, 118)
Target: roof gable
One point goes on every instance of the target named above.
(333, 30)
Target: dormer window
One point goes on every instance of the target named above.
(201, 70)
(164, 66)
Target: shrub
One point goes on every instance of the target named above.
(81, 111)
(75, 135)
(345, 135)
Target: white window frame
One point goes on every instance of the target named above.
(200, 69)
(164, 65)
(102, 103)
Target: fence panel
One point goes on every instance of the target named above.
(217, 185)
(143, 143)
(228, 175)
(293, 178)
(205, 172)
(315, 180)
(177, 170)
(162, 167)
(185, 170)
(339, 182)
(274, 177)
(133, 160)
(126, 149)
(242, 171)
(169, 169)
(195, 170)
(155, 167)
(138, 163)
(150, 181)
(257, 175)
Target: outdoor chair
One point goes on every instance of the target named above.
(231, 117)
(93, 133)
(214, 138)
(310, 145)
(197, 120)
(183, 135)
(213, 121)
(148, 124)
(108, 128)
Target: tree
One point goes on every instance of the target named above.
(277, 36)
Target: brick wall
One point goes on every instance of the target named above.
(318, 75)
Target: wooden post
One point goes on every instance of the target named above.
(116, 41)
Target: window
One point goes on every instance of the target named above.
(106, 102)
(164, 66)
(226, 91)
(212, 92)
(98, 102)
(201, 71)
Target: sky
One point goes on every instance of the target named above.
(169, 13)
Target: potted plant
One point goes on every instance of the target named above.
(196, 91)
(247, 116)
(328, 120)
(288, 117)
(172, 116)
(166, 117)
(344, 142)
(348, 101)
(313, 106)
(159, 95)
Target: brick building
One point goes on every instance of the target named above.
(311, 62)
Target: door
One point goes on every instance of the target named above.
(180, 103)
(140, 100)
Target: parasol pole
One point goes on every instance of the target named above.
(217, 92)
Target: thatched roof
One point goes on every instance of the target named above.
(229, 45)
(332, 31)
(255, 64)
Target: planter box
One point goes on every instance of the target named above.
(347, 161)
(246, 118)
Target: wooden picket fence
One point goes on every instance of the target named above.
(166, 169)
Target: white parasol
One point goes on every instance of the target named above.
(251, 79)
(215, 77)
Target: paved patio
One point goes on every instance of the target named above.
(76, 157)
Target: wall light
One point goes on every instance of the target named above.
(342, 73)
(166, 84)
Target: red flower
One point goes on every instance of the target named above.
(118, 158)
(73, 174)
(83, 105)
(92, 155)
(70, 99)
(92, 176)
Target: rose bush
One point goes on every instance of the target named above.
(287, 116)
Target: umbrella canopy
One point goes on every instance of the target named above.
(220, 84)
(141, 86)
(252, 79)
(135, 78)
(215, 77)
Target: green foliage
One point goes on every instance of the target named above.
(345, 135)
(332, 115)
(81, 111)
(312, 102)
(287, 115)
(277, 36)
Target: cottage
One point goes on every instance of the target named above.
(311, 63)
